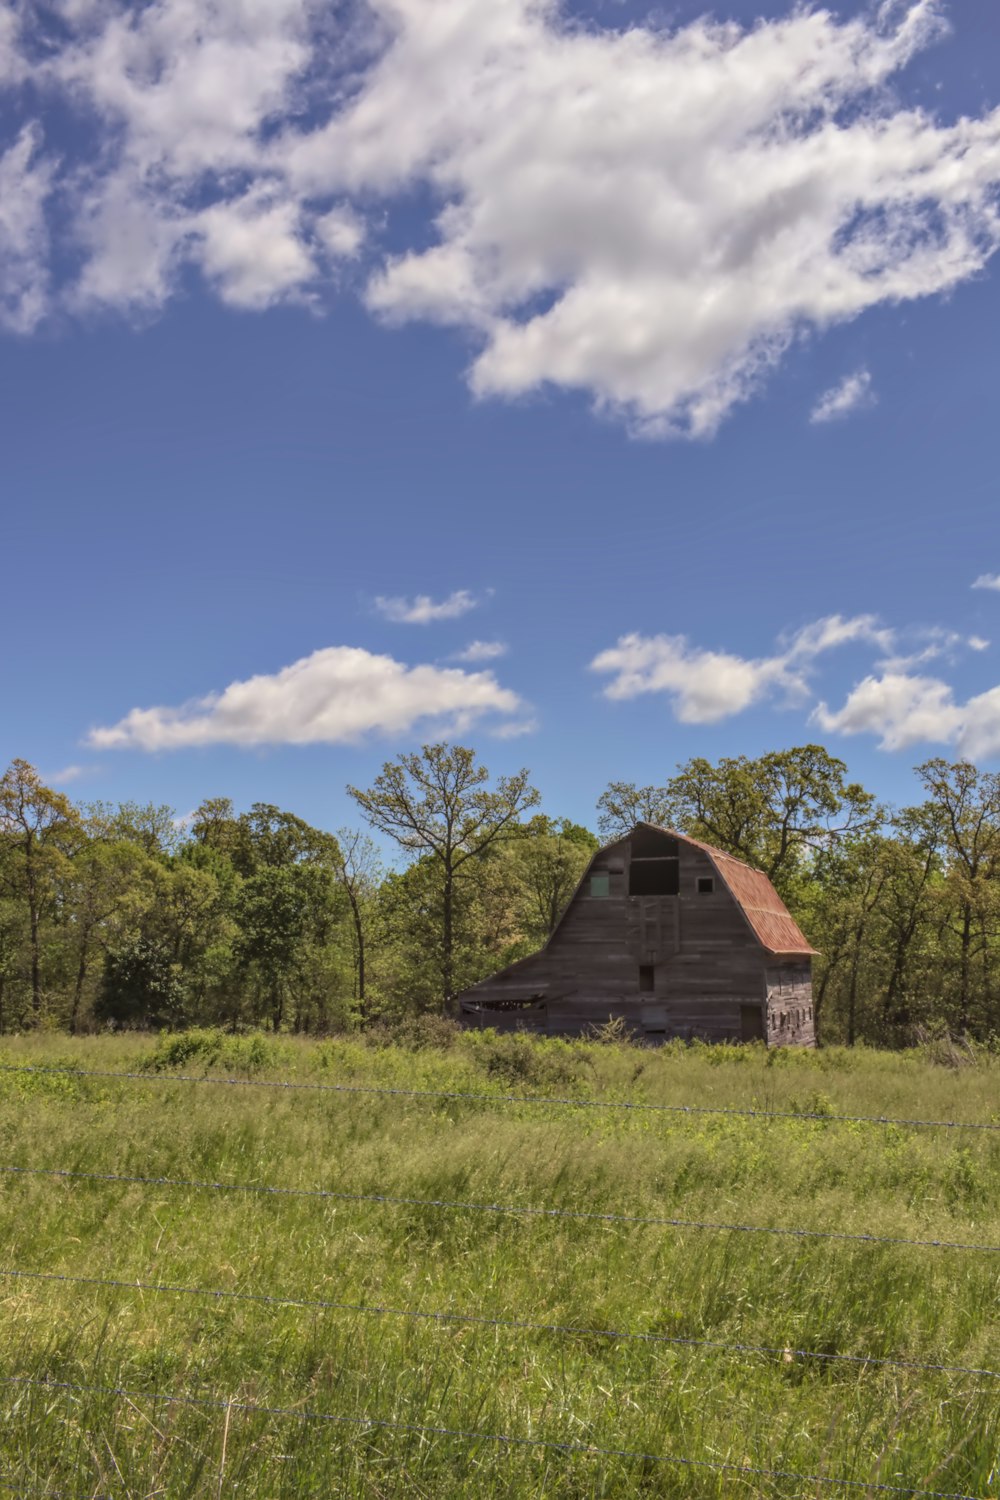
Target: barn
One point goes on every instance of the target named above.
(674, 937)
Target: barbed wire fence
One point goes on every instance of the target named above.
(469, 1435)
(464, 1435)
(483, 1097)
(784, 1353)
(457, 1205)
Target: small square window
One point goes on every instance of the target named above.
(600, 883)
(706, 885)
(647, 979)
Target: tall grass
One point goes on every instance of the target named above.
(783, 1412)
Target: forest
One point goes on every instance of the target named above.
(118, 917)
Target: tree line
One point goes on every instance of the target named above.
(114, 916)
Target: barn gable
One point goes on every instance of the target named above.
(671, 935)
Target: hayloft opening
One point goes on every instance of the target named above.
(654, 877)
(706, 885)
(653, 843)
(647, 979)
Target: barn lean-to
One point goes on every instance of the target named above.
(675, 938)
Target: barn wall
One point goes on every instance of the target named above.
(790, 1016)
(684, 965)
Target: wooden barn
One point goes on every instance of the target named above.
(671, 935)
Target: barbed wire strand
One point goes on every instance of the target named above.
(472, 1436)
(289, 1085)
(368, 1309)
(456, 1205)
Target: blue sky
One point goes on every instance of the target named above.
(658, 359)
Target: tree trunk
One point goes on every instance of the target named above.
(81, 975)
(359, 937)
(34, 926)
(965, 975)
(447, 963)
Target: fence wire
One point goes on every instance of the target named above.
(524, 1325)
(512, 1209)
(468, 1435)
(292, 1085)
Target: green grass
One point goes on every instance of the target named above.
(865, 1423)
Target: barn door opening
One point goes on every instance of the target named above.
(751, 1023)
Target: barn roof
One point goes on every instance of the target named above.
(770, 920)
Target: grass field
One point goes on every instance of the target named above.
(70, 1351)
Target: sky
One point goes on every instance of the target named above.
(594, 384)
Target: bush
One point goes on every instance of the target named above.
(414, 1033)
(209, 1047)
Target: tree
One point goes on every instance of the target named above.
(40, 828)
(549, 858)
(773, 811)
(359, 872)
(104, 880)
(439, 803)
(141, 986)
(965, 802)
(624, 805)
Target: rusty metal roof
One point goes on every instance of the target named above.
(772, 923)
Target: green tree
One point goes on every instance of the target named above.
(105, 885)
(142, 987)
(623, 805)
(40, 829)
(359, 872)
(774, 811)
(439, 804)
(549, 858)
(965, 803)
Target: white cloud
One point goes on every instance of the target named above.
(903, 711)
(707, 686)
(850, 394)
(342, 232)
(648, 215)
(252, 252)
(977, 643)
(987, 581)
(69, 774)
(335, 696)
(25, 183)
(481, 651)
(423, 610)
(515, 729)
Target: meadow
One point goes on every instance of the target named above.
(297, 1343)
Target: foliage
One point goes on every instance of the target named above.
(438, 805)
(251, 919)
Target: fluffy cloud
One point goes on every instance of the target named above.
(644, 214)
(335, 696)
(853, 392)
(25, 183)
(900, 706)
(423, 610)
(69, 774)
(987, 581)
(905, 710)
(481, 651)
(707, 686)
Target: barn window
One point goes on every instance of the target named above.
(706, 885)
(654, 877)
(647, 977)
(600, 883)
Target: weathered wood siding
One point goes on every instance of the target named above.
(790, 1021)
(680, 965)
